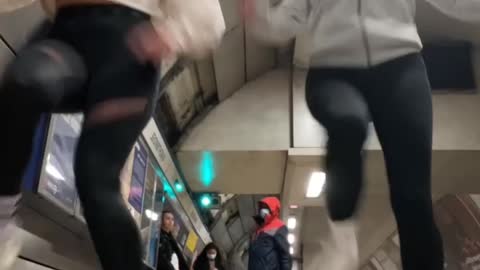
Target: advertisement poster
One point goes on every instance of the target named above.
(158, 206)
(34, 167)
(192, 241)
(135, 197)
(152, 244)
(125, 183)
(148, 196)
(149, 214)
(57, 180)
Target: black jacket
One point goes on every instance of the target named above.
(269, 250)
(167, 246)
(203, 264)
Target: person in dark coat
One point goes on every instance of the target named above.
(209, 259)
(269, 248)
(168, 246)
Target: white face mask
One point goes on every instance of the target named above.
(264, 213)
(211, 256)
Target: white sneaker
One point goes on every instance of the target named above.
(335, 259)
(10, 245)
(341, 251)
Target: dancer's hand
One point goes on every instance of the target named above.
(151, 44)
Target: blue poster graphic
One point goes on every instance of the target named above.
(159, 200)
(135, 198)
(32, 172)
(58, 179)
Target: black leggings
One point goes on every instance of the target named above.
(396, 97)
(115, 78)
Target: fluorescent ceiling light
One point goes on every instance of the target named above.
(291, 251)
(293, 206)
(291, 223)
(291, 238)
(315, 185)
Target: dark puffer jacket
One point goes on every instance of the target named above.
(167, 247)
(269, 249)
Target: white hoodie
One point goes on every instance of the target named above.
(352, 33)
(197, 25)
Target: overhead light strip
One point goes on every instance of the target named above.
(315, 184)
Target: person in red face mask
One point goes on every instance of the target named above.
(269, 246)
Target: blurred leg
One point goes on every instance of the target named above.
(39, 79)
(336, 103)
(401, 109)
(42, 77)
(342, 110)
(101, 153)
(117, 93)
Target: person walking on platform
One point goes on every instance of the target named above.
(269, 248)
(101, 58)
(170, 256)
(209, 259)
(365, 65)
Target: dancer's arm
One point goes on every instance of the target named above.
(196, 26)
(465, 10)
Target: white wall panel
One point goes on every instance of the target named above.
(255, 118)
(236, 172)
(229, 61)
(433, 24)
(260, 57)
(230, 9)
(17, 25)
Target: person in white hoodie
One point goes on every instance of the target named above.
(101, 58)
(365, 65)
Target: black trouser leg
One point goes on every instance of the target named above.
(18, 126)
(399, 100)
(117, 95)
(115, 102)
(33, 83)
(401, 108)
(101, 154)
(342, 110)
(19, 118)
